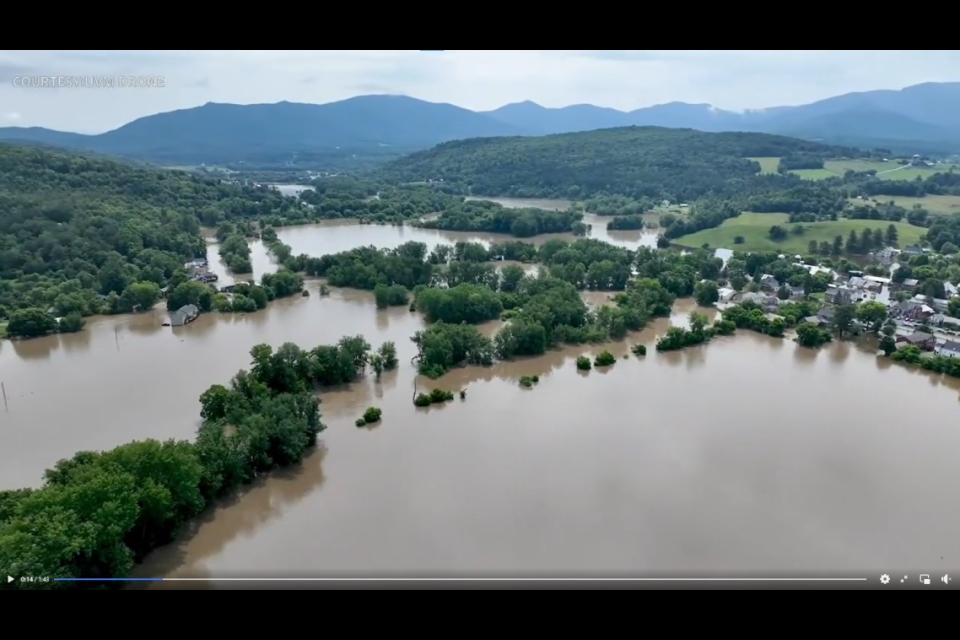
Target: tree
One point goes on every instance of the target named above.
(777, 233)
(853, 242)
(783, 292)
(888, 345)
(892, 235)
(388, 355)
(812, 247)
(843, 318)
(872, 313)
(706, 293)
(953, 306)
(738, 240)
(191, 292)
(31, 323)
(139, 296)
(837, 247)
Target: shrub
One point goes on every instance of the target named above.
(605, 359)
(361, 422)
(372, 414)
(639, 350)
(529, 381)
(583, 363)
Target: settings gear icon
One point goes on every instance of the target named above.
(884, 579)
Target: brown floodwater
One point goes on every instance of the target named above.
(746, 454)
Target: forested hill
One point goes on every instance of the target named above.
(653, 162)
(73, 227)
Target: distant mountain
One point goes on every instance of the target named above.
(221, 133)
(921, 119)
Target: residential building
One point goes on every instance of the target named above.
(768, 282)
(911, 310)
(949, 349)
(886, 256)
(184, 315)
(912, 250)
(919, 339)
(206, 278)
(796, 292)
(910, 283)
(838, 295)
(825, 316)
(726, 294)
(951, 289)
(939, 304)
(765, 301)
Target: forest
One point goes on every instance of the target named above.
(679, 165)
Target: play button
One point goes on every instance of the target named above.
(9, 579)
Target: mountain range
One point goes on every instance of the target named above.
(924, 118)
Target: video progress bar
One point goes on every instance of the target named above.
(461, 579)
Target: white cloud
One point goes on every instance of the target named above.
(472, 79)
(12, 116)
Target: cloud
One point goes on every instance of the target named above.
(12, 116)
(481, 80)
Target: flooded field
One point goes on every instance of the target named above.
(746, 454)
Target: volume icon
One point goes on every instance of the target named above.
(945, 579)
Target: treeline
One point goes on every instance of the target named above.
(626, 223)
(99, 513)
(799, 161)
(492, 217)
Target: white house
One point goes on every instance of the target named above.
(949, 349)
(726, 294)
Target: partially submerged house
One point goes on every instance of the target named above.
(919, 339)
(184, 315)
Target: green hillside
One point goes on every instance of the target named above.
(640, 162)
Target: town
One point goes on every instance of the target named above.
(922, 321)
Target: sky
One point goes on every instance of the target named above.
(478, 80)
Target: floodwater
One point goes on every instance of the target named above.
(747, 454)
(333, 236)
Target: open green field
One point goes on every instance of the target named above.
(940, 205)
(754, 228)
(767, 165)
(889, 170)
(815, 174)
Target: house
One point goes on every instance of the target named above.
(767, 281)
(951, 289)
(184, 315)
(764, 301)
(911, 310)
(910, 283)
(919, 339)
(206, 278)
(949, 349)
(726, 294)
(825, 315)
(838, 295)
(886, 256)
(200, 263)
(939, 304)
(912, 250)
(796, 292)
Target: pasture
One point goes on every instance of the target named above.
(889, 170)
(937, 205)
(754, 228)
(767, 165)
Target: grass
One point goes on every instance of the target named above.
(814, 174)
(754, 228)
(889, 170)
(941, 205)
(767, 165)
